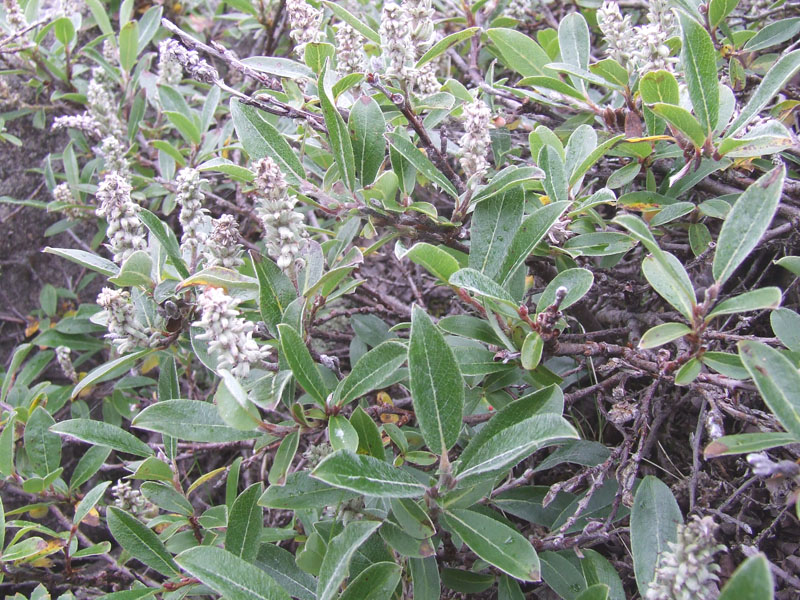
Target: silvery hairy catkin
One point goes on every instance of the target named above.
(284, 233)
(616, 30)
(190, 60)
(131, 500)
(113, 153)
(125, 232)
(229, 336)
(125, 332)
(14, 15)
(193, 217)
(396, 43)
(306, 24)
(350, 56)
(420, 20)
(65, 362)
(83, 122)
(687, 571)
(170, 71)
(476, 141)
(222, 247)
(101, 104)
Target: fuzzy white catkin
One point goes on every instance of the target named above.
(125, 332)
(125, 232)
(113, 153)
(65, 362)
(84, 122)
(222, 247)
(642, 48)
(420, 20)
(229, 336)
(170, 71)
(193, 218)
(306, 24)
(616, 30)
(476, 141)
(396, 43)
(190, 60)
(284, 232)
(101, 104)
(14, 15)
(687, 571)
(350, 56)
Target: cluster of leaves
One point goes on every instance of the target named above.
(405, 460)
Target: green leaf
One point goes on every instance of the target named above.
(128, 45)
(529, 234)
(770, 85)
(341, 434)
(478, 283)
(688, 371)
(140, 541)
(773, 34)
(437, 387)
(747, 222)
(659, 87)
(552, 83)
(746, 443)
(301, 492)
(276, 291)
(316, 54)
(42, 446)
(103, 434)
(303, 366)
(377, 582)
(520, 52)
(86, 259)
(367, 126)
(243, 535)
(425, 578)
(165, 496)
(578, 282)
(7, 446)
(496, 543)
(372, 370)
(353, 21)
(777, 379)
(186, 126)
(728, 364)
(555, 183)
(699, 60)
(281, 566)
(338, 135)
(760, 299)
(413, 520)
(786, 325)
(86, 504)
(516, 431)
(663, 334)
(369, 437)
(229, 575)
(336, 564)
(655, 517)
(367, 475)
(283, 458)
(437, 261)
(261, 139)
(190, 420)
(20, 354)
(443, 44)
(100, 16)
(752, 580)
(682, 120)
(420, 162)
(595, 592)
(494, 222)
(672, 289)
(165, 237)
(595, 155)
(531, 352)
(89, 464)
(573, 41)
(718, 10)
